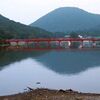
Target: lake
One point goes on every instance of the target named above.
(68, 69)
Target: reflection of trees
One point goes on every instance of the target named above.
(63, 62)
(8, 57)
(70, 62)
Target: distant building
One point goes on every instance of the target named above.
(80, 36)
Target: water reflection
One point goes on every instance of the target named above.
(17, 76)
(70, 62)
(62, 62)
(8, 57)
(78, 70)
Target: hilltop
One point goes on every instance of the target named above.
(68, 19)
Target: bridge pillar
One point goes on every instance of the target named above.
(27, 44)
(82, 44)
(17, 44)
(93, 44)
(59, 46)
(37, 45)
(70, 42)
(49, 45)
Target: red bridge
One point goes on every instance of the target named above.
(50, 43)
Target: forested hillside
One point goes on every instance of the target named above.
(11, 29)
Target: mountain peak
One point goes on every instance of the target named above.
(67, 19)
(69, 8)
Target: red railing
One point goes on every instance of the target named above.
(48, 41)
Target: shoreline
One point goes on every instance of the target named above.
(50, 94)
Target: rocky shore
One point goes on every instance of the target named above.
(47, 94)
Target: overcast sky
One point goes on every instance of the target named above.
(27, 11)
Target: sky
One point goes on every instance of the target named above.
(28, 11)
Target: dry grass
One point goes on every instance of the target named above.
(45, 94)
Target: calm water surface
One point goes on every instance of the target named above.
(78, 70)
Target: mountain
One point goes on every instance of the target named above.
(68, 19)
(11, 29)
(96, 29)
